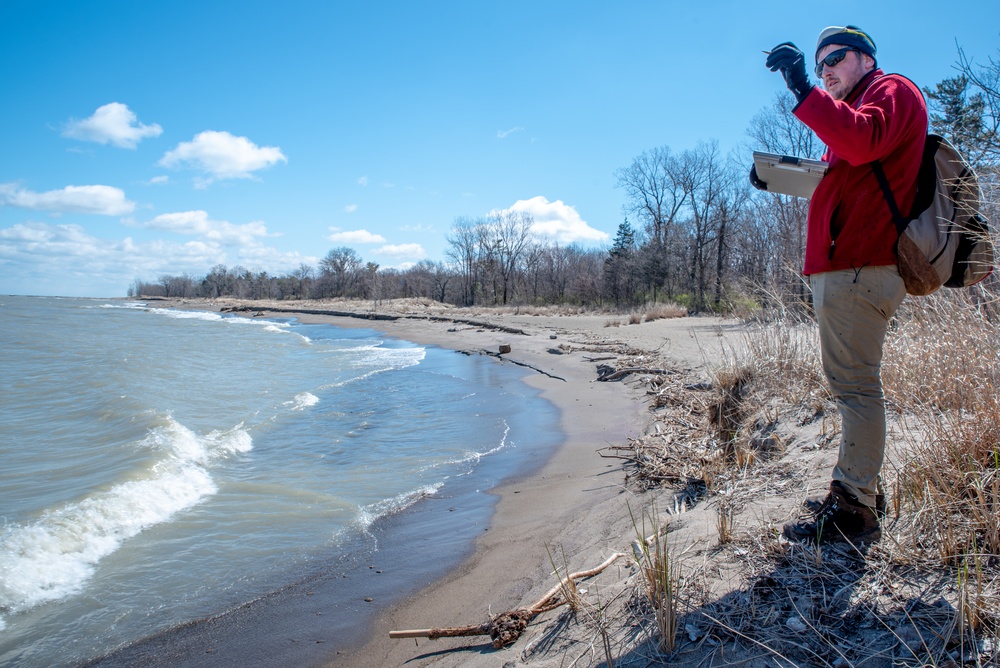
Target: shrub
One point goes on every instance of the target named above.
(665, 311)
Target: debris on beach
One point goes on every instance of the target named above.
(504, 629)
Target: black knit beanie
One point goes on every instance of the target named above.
(852, 36)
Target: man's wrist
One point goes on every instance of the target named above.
(801, 90)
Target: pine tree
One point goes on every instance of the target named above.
(618, 266)
(624, 243)
(957, 114)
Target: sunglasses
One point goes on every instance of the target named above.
(833, 59)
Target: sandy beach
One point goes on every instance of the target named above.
(573, 509)
(576, 506)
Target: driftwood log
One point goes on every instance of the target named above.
(621, 373)
(506, 628)
(514, 361)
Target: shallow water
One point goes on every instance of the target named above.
(163, 466)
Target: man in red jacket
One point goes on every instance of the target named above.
(862, 116)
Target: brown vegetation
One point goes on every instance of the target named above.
(927, 595)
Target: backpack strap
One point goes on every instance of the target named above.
(897, 216)
(926, 183)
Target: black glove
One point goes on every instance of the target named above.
(755, 180)
(792, 62)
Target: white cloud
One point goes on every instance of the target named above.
(350, 208)
(502, 134)
(35, 233)
(363, 181)
(64, 259)
(159, 180)
(222, 155)
(100, 200)
(197, 223)
(411, 251)
(354, 237)
(41, 258)
(113, 124)
(558, 221)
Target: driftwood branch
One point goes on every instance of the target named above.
(451, 632)
(472, 323)
(513, 361)
(621, 373)
(579, 575)
(506, 628)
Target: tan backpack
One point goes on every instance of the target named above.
(944, 240)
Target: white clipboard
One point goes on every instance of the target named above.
(789, 175)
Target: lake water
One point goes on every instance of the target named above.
(162, 466)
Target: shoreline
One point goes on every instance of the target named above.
(508, 563)
(575, 506)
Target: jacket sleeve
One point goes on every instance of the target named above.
(889, 109)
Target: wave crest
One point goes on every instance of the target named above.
(54, 556)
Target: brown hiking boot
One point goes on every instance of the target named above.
(840, 517)
(815, 503)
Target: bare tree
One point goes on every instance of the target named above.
(465, 249)
(704, 179)
(781, 219)
(986, 80)
(509, 236)
(653, 191)
(303, 277)
(775, 129)
(583, 269)
(218, 282)
(551, 268)
(730, 210)
(436, 278)
(178, 286)
(340, 272)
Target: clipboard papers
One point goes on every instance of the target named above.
(788, 175)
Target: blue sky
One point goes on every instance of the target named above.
(147, 138)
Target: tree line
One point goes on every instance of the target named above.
(695, 232)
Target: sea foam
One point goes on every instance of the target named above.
(367, 515)
(54, 556)
(302, 401)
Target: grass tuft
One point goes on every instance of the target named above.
(660, 575)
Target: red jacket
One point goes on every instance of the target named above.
(884, 118)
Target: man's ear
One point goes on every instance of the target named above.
(867, 61)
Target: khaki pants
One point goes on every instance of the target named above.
(853, 308)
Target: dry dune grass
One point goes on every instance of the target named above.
(662, 311)
(927, 595)
(648, 313)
